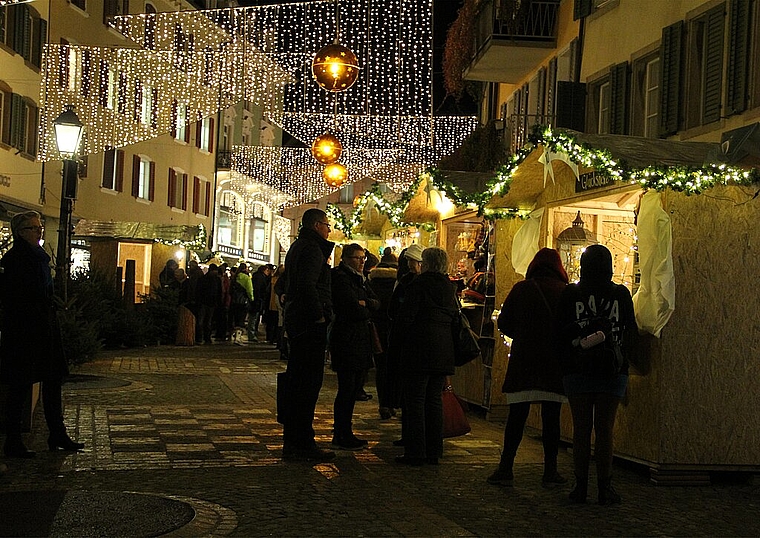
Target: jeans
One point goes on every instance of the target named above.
(513, 433)
(423, 435)
(349, 382)
(306, 365)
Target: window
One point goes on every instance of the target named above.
(645, 107)
(148, 106)
(704, 68)
(346, 194)
(184, 44)
(143, 177)
(112, 8)
(5, 112)
(20, 118)
(204, 134)
(257, 240)
(177, 195)
(113, 169)
(180, 129)
(73, 68)
(81, 4)
(598, 107)
(150, 27)
(230, 220)
(201, 196)
(22, 29)
(743, 73)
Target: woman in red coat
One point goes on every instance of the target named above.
(533, 372)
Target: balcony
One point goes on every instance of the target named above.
(223, 159)
(511, 41)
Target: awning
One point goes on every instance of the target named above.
(136, 231)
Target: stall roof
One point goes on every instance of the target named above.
(141, 231)
(528, 178)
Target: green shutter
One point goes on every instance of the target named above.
(17, 121)
(2, 25)
(619, 94)
(671, 60)
(41, 36)
(738, 57)
(712, 98)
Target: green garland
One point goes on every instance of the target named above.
(200, 241)
(687, 179)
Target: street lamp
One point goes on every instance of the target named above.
(68, 135)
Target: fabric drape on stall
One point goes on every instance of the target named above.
(655, 300)
(525, 242)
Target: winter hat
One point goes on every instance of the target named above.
(414, 252)
(596, 265)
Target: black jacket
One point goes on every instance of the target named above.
(426, 319)
(350, 343)
(261, 291)
(30, 348)
(306, 283)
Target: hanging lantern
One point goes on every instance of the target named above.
(335, 174)
(326, 148)
(335, 68)
(571, 243)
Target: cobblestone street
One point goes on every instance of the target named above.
(184, 441)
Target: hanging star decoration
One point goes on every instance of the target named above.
(548, 157)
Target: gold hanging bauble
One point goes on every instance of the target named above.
(335, 68)
(326, 148)
(335, 174)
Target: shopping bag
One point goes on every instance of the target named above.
(455, 421)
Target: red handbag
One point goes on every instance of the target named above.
(455, 421)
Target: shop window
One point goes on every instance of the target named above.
(177, 195)
(645, 91)
(143, 177)
(257, 239)
(230, 228)
(704, 68)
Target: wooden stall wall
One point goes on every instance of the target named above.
(709, 376)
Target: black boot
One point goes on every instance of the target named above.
(607, 494)
(580, 490)
(62, 441)
(14, 447)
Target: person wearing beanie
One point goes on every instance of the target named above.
(594, 389)
(533, 372)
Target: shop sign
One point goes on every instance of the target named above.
(592, 180)
(232, 251)
(258, 256)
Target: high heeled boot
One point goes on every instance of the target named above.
(607, 494)
(60, 440)
(580, 490)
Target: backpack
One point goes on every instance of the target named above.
(238, 295)
(594, 351)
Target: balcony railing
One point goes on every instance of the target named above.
(518, 21)
(519, 126)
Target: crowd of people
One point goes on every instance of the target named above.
(224, 303)
(569, 343)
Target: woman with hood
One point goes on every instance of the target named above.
(534, 373)
(594, 389)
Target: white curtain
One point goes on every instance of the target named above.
(525, 242)
(655, 300)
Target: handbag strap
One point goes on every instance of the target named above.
(541, 292)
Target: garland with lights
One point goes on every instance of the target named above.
(200, 241)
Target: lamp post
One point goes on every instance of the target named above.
(68, 135)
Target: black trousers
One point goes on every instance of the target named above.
(513, 433)
(423, 409)
(349, 382)
(306, 365)
(51, 402)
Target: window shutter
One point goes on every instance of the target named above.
(3, 20)
(135, 175)
(138, 99)
(154, 108)
(207, 203)
(17, 121)
(551, 88)
(541, 94)
(619, 94)
(582, 8)
(716, 22)
(109, 162)
(26, 44)
(122, 100)
(109, 10)
(671, 59)
(198, 133)
(171, 194)
(18, 29)
(571, 105)
(184, 192)
(86, 72)
(103, 86)
(152, 183)
(41, 36)
(32, 128)
(119, 171)
(187, 128)
(196, 194)
(738, 56)
(211, 135)
(174, 119)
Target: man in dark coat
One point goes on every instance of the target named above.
(308, 310)
(350, 340)
(261, 291)
(382, 280)
(30, 349)
(208, 297)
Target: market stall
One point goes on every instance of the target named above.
(688, 409)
